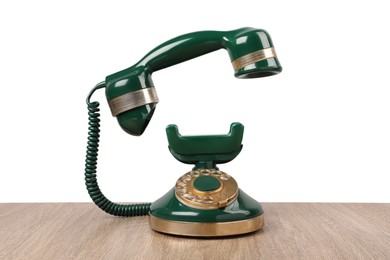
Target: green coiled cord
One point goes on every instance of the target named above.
(127, 210)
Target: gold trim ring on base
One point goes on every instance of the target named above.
(208, 229)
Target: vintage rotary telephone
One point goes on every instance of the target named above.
(205, 201)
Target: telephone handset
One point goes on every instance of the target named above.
(205, 201)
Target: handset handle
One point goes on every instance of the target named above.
(180, 49)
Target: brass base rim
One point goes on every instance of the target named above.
(208, 229)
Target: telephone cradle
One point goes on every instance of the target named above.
(205, 201)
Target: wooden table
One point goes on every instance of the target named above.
(291, 231)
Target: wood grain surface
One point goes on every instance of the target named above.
(291, 231)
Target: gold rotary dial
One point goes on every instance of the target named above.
(206, 189)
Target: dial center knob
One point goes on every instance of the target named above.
(206, 183)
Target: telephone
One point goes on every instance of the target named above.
(205, 201)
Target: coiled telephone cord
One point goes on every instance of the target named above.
(123, 210)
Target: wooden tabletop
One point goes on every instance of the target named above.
(291, 231)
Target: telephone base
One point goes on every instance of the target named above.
(169, 215)
(206, 202)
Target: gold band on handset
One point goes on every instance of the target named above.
(253, 57)
(132, 100)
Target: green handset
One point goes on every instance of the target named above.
(204, 201)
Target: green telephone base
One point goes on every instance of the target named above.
(206, 201)
(169, 215)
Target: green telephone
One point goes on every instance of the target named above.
(205, 201)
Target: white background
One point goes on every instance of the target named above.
(319, 131)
